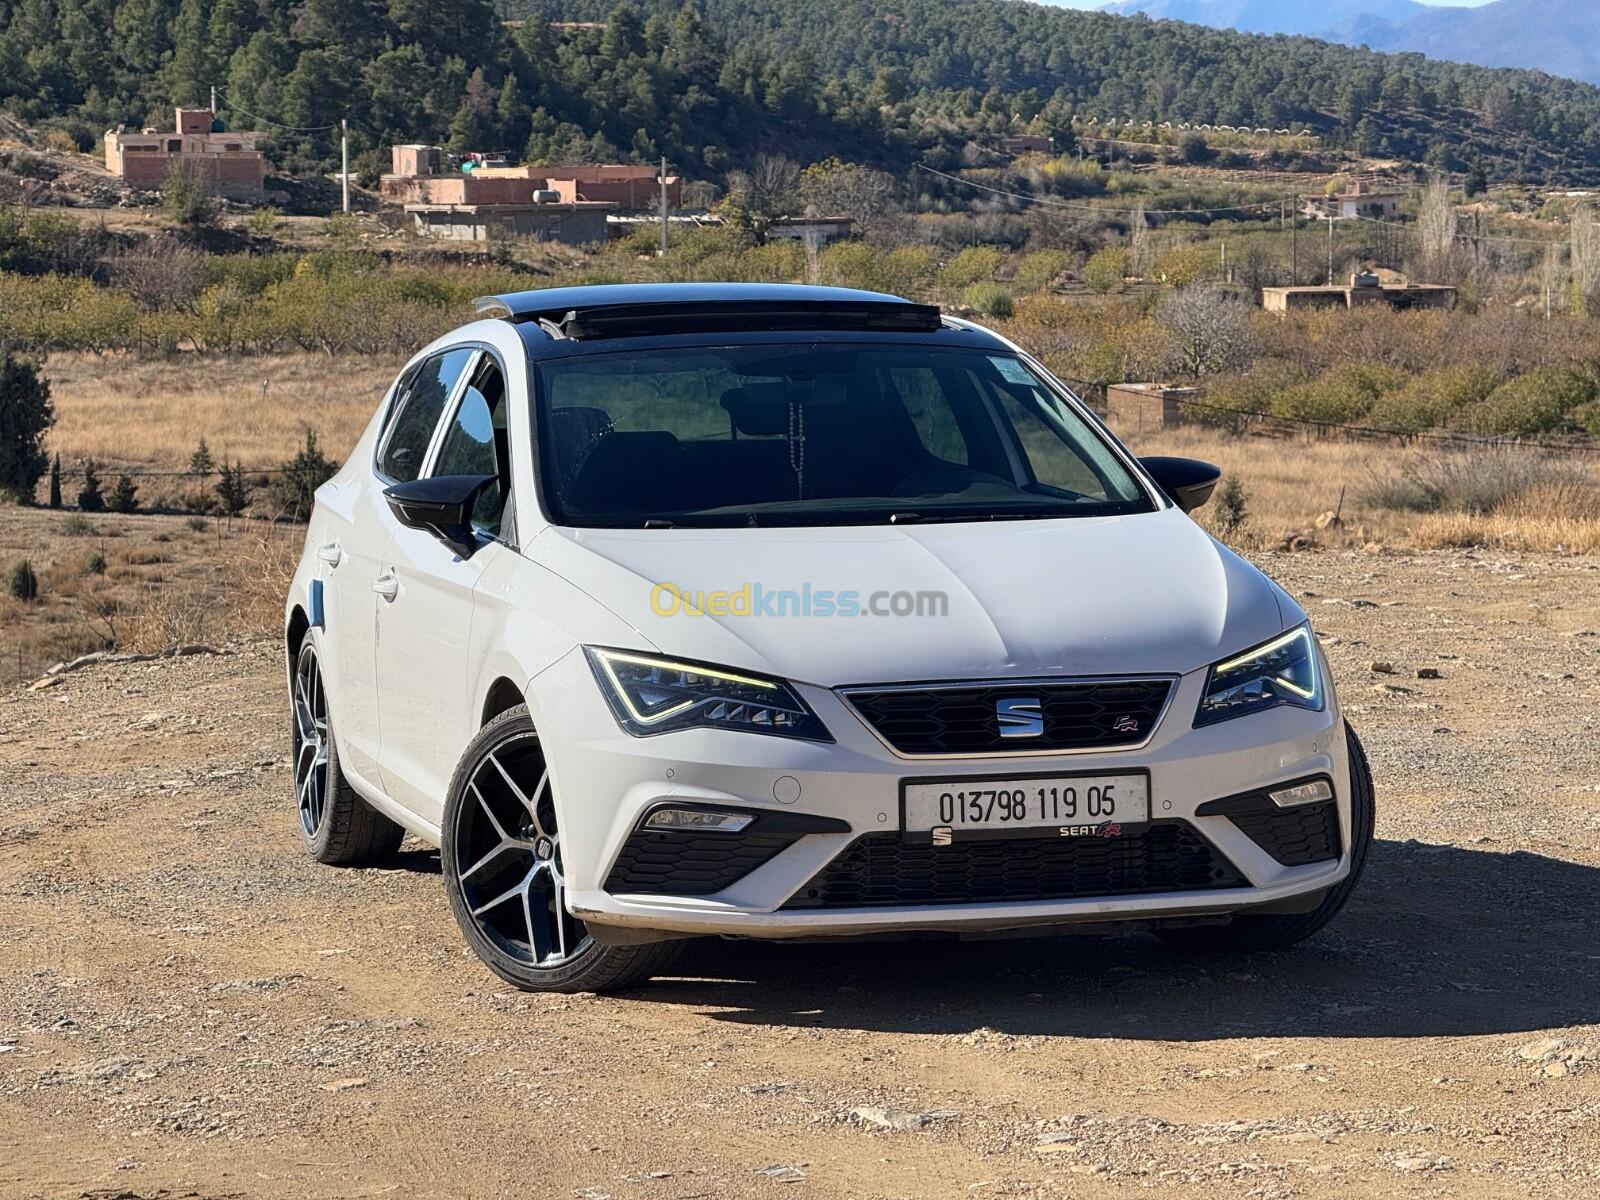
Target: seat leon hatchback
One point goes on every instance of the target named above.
(777, 612)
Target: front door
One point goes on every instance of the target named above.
(425, 622)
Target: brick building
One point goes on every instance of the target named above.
(229, 162)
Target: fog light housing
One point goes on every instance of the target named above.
(698, 820)
(1315, 791)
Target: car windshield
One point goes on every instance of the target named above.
(817, 434)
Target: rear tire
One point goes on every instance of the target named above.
(339, 827)
(1247, 933)
(505, 876)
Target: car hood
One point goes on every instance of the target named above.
(1151, 593)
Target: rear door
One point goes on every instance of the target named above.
(424, 630)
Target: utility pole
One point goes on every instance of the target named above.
(1330, 249)
(663, 204)
(344, 160)
(1294, 251)
(213, 102)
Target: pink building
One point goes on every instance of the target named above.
(229, 162)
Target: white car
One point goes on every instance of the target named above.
(774, 611)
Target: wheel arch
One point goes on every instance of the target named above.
(502, 695)
(294, 633)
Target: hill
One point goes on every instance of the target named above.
(1309, 17)
(1561, 37)
(981, 60)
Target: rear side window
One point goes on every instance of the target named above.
(418, 404)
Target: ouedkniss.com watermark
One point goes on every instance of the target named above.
(758, 600)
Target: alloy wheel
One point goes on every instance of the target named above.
(310, 743)
(508, 857)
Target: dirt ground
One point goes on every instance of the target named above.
(190, 1008)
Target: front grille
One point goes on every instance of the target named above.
(1294, 836)
(880, 869)
(963, 719)
(696, 863)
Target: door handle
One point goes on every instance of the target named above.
(331, 554)
(386, 585)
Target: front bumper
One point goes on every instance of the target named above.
(606, 781)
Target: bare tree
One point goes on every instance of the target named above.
(1140, 252)
(1436, 229)
(837, 188)
(1585, 259)
(1210, 328)
(769, 187)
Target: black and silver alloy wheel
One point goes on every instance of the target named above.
(310, 742)
(505, 872)
(339, 827)
(507, 856)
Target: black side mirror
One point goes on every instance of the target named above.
(1188, 482)
(441, 506)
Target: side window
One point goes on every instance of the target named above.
(476, 444)
(418, 405)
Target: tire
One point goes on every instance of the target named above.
(338, 826)
(501, 854)
(1247, 933)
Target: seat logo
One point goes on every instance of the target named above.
(1019, 717)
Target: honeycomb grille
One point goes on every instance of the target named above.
(880, 869)
(1294, 836)
(666, 863)
(1087, 715)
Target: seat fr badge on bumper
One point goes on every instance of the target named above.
(1019, 717)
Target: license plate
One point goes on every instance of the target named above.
(1070, 806)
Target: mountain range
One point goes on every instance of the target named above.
(1561, 37)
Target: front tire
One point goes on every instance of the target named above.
(339, 827)
(505, 874)
(1247, 933)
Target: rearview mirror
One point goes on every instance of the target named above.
(1188, 482)
(441, 506)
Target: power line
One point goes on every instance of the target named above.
(236, 107)
(1049, 202)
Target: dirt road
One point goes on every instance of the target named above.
(190, 1007)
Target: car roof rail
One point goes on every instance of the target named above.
(643, 310)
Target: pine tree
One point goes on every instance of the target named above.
(25, 417)
(233, 489)
(55, 482)
(294, 488)
(90, 497)
(201, 462)
(125, 496)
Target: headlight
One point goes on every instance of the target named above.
(657, 695)
(1283, 671)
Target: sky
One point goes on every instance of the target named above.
(1101, 3)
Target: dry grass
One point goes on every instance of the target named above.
(1541, 535)
(126, 411)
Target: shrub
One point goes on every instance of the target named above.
(1587, 418)
(95, 564)
(90, 497)
(1476, 482)
(1106, 270)
(76, 525)
(975, 264)
(186, 196)
(1535, 403)
(1039, 270)
(26, 415)
(1430, 400)
(198, 524)
(293, 489)
(24, 583)
(1341, 395)
(125, 496)
(1230, 511)
(988, 299)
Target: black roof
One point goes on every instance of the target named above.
(556, 322)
